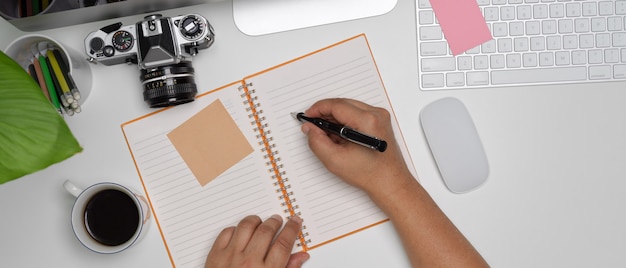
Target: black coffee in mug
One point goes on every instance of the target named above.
(111, 217)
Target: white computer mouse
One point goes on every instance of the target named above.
(455, 144)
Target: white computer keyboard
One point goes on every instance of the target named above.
(534, 41)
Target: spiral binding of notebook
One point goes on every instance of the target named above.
(271, 155)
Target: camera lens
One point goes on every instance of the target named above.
(169, 85)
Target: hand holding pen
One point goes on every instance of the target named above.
(344, 132)
(349, 161)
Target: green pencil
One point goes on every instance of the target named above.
(49, 83)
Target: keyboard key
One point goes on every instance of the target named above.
(500, 29)
(530, 59)
(573, 9)
(548, 26)
(513, 60)
(619, 39)
(434, 48)
(570, 42)
(586, 41)
(539, 75)
(598, 24)
(477, 78)
(455, 79)
(507, 13)
(595, 56)
(481, 62)
(566, 26)
(465, 63)
(524, 12)
(426, 17)
(516, 28)
(430, 33)
(605, 8)
(611, 55)
(474, 50)
(590, 9)
(540, 11)
(614, 23)
(489, 46)
(533, 27)
(491, 14)
(581, 25)
(620, 7)
(579, 57)
(546, 59)
(537, 43)
(600, 72)
(432, 80)
(553, 43)
(521, 44)
(623, 54)
(496, 61)
(438, 64)
(562, 58)
(557, 10)
(603, 40)
(505, 45)
(619, 71)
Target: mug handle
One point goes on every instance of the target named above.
(71, 188)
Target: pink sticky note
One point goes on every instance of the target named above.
(462, 24)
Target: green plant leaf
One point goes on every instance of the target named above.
(33, 135)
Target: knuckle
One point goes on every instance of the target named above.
(266, 229)
(384, 114)
(284, 243)
(250, 222)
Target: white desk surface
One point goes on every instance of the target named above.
(554, 198)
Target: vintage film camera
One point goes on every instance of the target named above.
(162, 47)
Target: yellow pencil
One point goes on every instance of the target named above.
(60, 77)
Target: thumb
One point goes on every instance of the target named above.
(297, 259)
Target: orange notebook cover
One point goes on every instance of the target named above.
(236, 151)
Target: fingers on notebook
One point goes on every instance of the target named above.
(263, 235)
(281, 249)
(252, 242)
(243, 232)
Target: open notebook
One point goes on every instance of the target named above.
(237, 151)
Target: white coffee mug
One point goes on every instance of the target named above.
(108, 217)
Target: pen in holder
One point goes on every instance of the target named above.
(61, 74)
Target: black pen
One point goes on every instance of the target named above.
(345, 132)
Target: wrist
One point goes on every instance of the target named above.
(393, 189)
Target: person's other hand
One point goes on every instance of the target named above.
(251, 244)
(368, 169)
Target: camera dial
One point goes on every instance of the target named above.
(191, 27)
(122, 41)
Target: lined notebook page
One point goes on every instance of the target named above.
(191, 216)
(330, 208)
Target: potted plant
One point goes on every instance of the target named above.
(33, 135)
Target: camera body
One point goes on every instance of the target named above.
(162, 47)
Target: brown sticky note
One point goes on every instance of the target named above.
(210, 142)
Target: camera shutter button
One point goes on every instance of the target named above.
(108, 51)
(96, 44)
